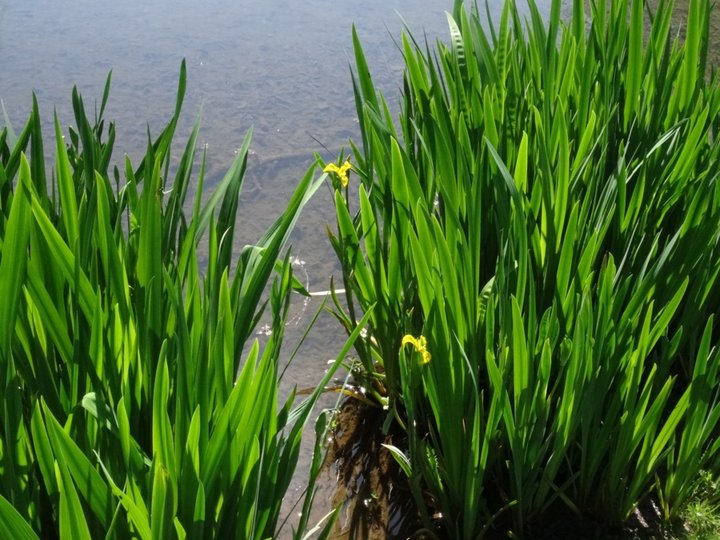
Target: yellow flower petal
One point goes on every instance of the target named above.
(409, 339)
(341, 172)
(420, 345)
(345, 167)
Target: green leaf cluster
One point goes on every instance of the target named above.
(546, 213)
(136, 402)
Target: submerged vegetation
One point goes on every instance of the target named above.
(530, 261)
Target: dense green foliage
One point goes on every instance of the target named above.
(531, 287)
(135, 400)
(546, 215)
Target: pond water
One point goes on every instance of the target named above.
(282, 67)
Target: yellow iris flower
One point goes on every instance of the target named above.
(420, 345)
(341, 172)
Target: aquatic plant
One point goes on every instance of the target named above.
(546, 214)
(136, 401)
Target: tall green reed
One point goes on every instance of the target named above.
(547, 215)
(136, 401)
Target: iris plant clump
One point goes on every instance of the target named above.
(129, 409)
(546, 214)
